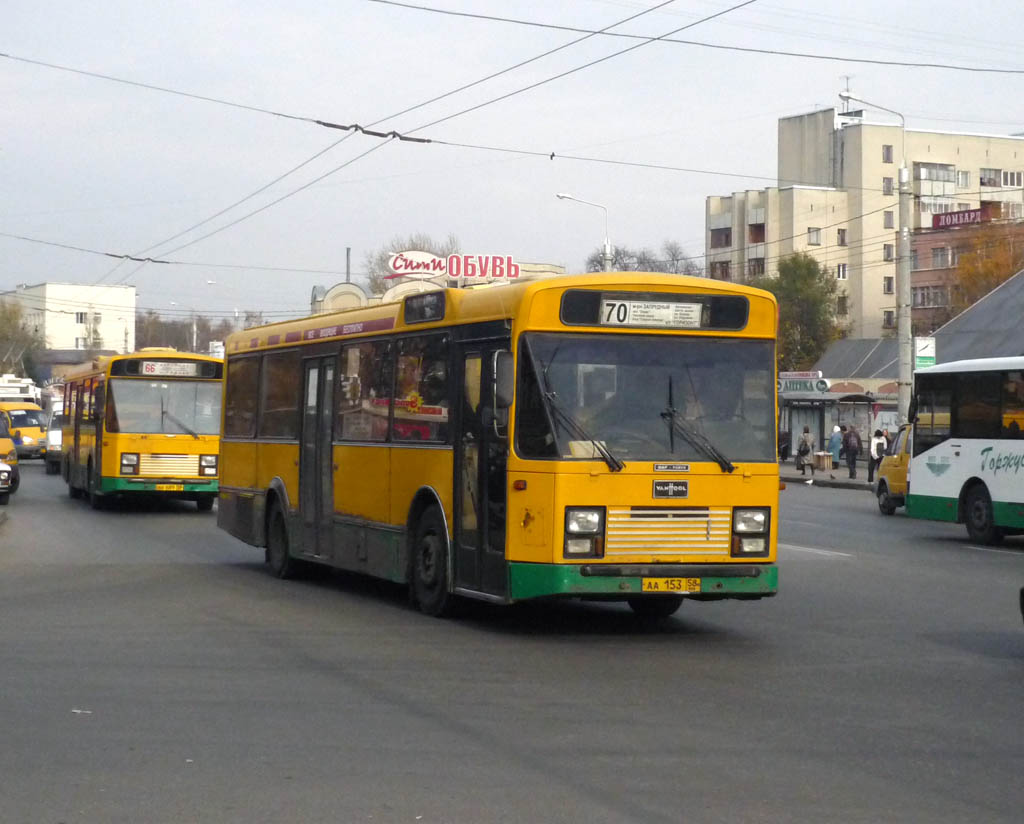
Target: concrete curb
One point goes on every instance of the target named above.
(822, 479)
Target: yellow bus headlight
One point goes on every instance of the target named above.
(584, 532)
(129, 463)
(750, 532)
(207, 464)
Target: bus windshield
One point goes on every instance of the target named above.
(163, 407)
(646, 397)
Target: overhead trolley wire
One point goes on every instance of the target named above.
(702, 44)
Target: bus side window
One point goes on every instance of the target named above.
(422, 389)
(241, 397)
(933, 414)
(1013, 406)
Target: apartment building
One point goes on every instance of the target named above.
(74, 316)
(838, 200)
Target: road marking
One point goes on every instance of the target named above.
(802, 523)
(1000, 551)
(815, 550)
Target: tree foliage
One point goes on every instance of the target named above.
(995, 254)
(670, 258)
(377, 262)
(807, 299)
(19, 344)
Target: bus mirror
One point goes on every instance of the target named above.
(504, 380)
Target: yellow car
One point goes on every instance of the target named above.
(891, 486)
(27, 423)
(9, 456)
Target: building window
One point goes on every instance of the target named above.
(755, 267)
(955, 254)
(887, 251)
(942, 172)
(963, 180)
(989, 177)
(887, 284)
(755, 233)
(79, 343)
(913, 260)
(720, 269)
(721, 238)
(940, 257)
(96, 319)
(841, 271)
(813, 236)
(841, 237)
(1012, 179)
(963, 207)
(81, 317)
(841, 307)
(925, 297)
(886, 185)
(888, 318)
(886, 153)
(888, 220)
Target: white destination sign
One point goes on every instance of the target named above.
(649, 313)
(178, 370)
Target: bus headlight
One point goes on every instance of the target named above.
(750, 520)
(207, 464)
(584, 532)
(750, 532)
(129, 463)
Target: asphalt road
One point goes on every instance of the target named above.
(151, 671)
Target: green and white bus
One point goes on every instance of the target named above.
(968, 446)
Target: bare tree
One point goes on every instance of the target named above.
(671, 259)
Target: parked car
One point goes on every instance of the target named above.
(5, 483)
(52, 442)
(891, 485)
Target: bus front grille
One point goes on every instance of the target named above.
(168, 465)
(664, 530)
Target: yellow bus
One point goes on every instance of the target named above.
(608, 436)
(146, 422)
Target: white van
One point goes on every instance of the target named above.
(52, 441)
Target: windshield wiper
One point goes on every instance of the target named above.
(575, 428)
(696, 439)
(165, 414)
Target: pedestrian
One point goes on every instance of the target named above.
(835, 443)
(878, 448)
(805, 452)
(851, 446)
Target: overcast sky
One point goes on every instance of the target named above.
(116, 168)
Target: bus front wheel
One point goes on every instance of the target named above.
(278, 559)
(978, 517)
(430, 565)
(885, 502)
(656, 607)
(205, 503)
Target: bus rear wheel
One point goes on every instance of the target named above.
(278, 559)
(429, 578)
(96, 499)
(656, 607)
(978, 517)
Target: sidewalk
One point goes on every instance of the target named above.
(841, 480)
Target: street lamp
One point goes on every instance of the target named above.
(903, 290)
(606, 255)
(193, 310)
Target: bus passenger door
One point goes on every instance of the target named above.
(316, 467)
(480, 479)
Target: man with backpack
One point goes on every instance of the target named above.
(851, 448)
(805, 446)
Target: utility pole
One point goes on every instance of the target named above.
(348, 264)
(903, 298)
